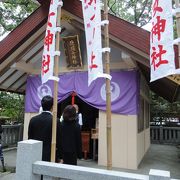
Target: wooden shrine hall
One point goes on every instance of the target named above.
(20, 65)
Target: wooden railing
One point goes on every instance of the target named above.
(165, 135)
(11, 134)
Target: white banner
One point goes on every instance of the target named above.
(92, 23)
(49, 43)
(161, 51)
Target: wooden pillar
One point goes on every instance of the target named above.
(56, 70)
(108, 90)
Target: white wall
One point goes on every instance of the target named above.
(124, 141)
(143, 144)
(27, 118)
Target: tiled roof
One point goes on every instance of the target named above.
(22, 32)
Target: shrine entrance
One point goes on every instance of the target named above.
(89, 117)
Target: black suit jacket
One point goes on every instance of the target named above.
(70, 135)
(40, 128)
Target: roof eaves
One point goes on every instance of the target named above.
(22, 32)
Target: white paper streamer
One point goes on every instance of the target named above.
(54, 78)
(56, 53)
(60, 3)
(176, 41)
(104, 75)
(174, 11)
(107, 49)
(105, 22)
(58, 29)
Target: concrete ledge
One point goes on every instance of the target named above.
(29, 151)
(81, 173)
(159, 174)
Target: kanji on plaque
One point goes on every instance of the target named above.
(161, 51)
(49, 43)
(92, 20)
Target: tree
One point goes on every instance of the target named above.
(162, 109)
(134, 11)
(12, 105)
(13, 12)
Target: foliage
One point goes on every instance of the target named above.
(159, 106)
(134, 11)
(12, 105)
(13, 12)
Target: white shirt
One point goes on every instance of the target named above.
(79, 117)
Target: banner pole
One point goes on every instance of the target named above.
(178, 29)
(108, 90)
(56, 71)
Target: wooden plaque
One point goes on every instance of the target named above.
(72, 52)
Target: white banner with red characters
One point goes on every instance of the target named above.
(92, 23)
(49, 43)
(162, 52)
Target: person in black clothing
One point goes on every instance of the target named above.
(70, 135)
(40, 128)
(1, 153)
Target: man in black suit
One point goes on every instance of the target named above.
(40, 128)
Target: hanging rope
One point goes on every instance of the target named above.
(73, 98)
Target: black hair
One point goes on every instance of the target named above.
(69, 113)
(47, 103)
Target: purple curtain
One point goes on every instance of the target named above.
(124, 91)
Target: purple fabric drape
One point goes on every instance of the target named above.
(124, 91)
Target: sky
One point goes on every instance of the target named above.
(148, 27)
(2, 37)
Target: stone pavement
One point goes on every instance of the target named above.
(162, 157)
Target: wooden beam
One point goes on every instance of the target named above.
(36, 53)
(5, 66)
(22, 76)
(23, 67)
(6, 79)
(12, 91)
(175, 78)
(19, 87)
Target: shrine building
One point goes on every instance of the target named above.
(20, 69)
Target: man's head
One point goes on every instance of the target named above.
(47, 103)
(69, 113)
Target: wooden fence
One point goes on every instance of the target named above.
(11, 135)
(165, 135)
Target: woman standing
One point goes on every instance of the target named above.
(70, 136)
